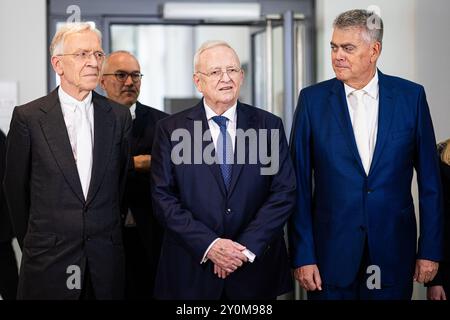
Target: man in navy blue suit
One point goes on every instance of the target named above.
(356, 141)
(223, 219)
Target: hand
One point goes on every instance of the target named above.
(436, 293)
(227, 254)
(309, 277)
(425, 270)
(221, 273)
(142, 162)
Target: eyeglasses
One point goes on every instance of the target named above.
(123, 76)
(217, 74)
(85, 55)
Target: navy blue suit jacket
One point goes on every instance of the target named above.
(192, 203)
(339, 205)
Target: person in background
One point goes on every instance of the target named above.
(142, 234)
(439, 288)
(8, 263)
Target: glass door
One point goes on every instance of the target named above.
(278, 65)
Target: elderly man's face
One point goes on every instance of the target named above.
(124, 92)
(353, 58)
(224, 91)
(76, 72)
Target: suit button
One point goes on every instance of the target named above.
(369, 191)
(88, 238)
(228, 211)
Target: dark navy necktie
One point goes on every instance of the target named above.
(224, 150)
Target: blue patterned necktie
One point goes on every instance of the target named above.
(224, 150)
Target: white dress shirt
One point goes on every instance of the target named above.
(133, 111)
(69, 110)
(214, 128)
(371, 102)
(129, 219)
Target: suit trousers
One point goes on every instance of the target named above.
(8, 271)
(87, 290)
(140, 270)
(359, 290)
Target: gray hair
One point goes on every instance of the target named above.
(370, 22)
(108, 57)
(56, 47)
(208, 45)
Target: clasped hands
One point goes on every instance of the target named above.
(227, 257)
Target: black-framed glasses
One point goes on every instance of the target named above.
(217, 74)
(123, 76)
(85, 55)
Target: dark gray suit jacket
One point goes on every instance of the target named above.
(6, 233)
(55, 226)
(138, 191)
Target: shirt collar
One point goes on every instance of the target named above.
(371, 88)
(230, 114)
(133, 111)
(68, 100)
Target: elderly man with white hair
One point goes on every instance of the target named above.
(223, 236)
(67, 156)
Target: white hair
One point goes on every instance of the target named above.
(359, 18)
(56, 47)
(208, 45)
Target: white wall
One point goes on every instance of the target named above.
(23, 38)
(432, 47)
(23, 54)
(415, 47)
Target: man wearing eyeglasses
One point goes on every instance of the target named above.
(223, 236)
(142, 235)
(67, 158)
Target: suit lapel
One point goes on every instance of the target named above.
(103, 139)
(198, 114)
(385, 111)
(55, 132)
(244, 122)
(142, 114)
(338, 104)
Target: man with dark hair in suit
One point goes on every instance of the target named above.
(142, 234)
(356, 141)
(66, 165)
(8, 263)
(223, 214)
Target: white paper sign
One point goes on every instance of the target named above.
(8, 100)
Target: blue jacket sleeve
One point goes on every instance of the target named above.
(426, 163)
(301, 241)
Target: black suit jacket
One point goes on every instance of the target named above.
(57, 228)
(6, 233)
(137, 192)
